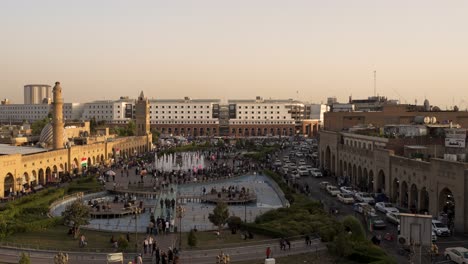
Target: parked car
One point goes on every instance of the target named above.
(376, 221)
(456, 254)
(333, 190)
(386, 208)
(393, 218)
(440, 228)
(303, 171)
(364, 197)
(363, 208)
(323, 185)
(345, 198)
(347, 189)
(434, 237)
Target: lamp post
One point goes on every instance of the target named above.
(136, 230)
(180, 212)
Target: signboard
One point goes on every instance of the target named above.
(115, 258)
(415, 229)
(455, 142)
(455, 133)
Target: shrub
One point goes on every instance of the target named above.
(123, 243)
(24, 259)
(192, 239)
(353, 225)
(234, 223)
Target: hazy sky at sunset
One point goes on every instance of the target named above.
(237, 49)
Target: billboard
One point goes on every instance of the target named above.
(455, 133)
(455, 142)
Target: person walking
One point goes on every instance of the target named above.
(268, 252)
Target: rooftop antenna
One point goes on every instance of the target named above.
(375, 83)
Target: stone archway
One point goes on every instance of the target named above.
(381, 182)
(25, 180)
(360, 181)
(33, 178)
(340, 168)
(333, 162)
(355, 178)
(48, 175)
(8, 184)
(94, 160)
(328, 158)
(41, 177)
(396, 191)
(365, 178)
(55, 173)
(404, 195)
(414, 199)
(89, 163)
(447, 204)
(102, 158)
(424, 200)
(371, 181)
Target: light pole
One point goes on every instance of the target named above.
(136, 230)
(180, 212)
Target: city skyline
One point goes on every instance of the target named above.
(306, 50)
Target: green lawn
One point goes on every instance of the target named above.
(207, 240)
(57, 239)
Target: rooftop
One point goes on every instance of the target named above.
(10, 150)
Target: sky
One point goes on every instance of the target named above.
(307, 50)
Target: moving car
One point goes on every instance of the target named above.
(363, 208)
(386, 208)
(364, 197)
(393, 218)
(456, 254)
(333, 190)
(376, 221)
(347, 189)
(440, 228)
(345, 198)
(323, 185)
(317, 173)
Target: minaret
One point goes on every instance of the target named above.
(57, 117)
(142, 116)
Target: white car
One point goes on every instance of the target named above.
(393, 218)
(345, 198)
(317, 173)
(363, 208)
(303, 171)
(386, 208)
(440, 228)
(347, 189)
(457, 254)
(323, 185)
(364, 197)
(333, 190)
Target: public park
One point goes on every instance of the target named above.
(207, 202)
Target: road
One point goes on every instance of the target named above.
(391, 247)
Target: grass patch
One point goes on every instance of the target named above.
(57, 239)
(30, 213)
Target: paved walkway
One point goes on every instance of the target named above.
(253, 252)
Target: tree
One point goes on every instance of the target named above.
(234, 223)
(24, 259)
(220, 215)
(123, 243)
(38, 125)
(61, 258)
(76, 215)
(354, 227)
(192, 239)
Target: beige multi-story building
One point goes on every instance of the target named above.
(22, 168)
(420, 167)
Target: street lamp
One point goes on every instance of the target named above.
(136, 230)
(180, 212)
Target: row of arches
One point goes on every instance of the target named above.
(259, 131)
(195, 131)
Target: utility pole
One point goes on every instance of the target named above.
(375, 83)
